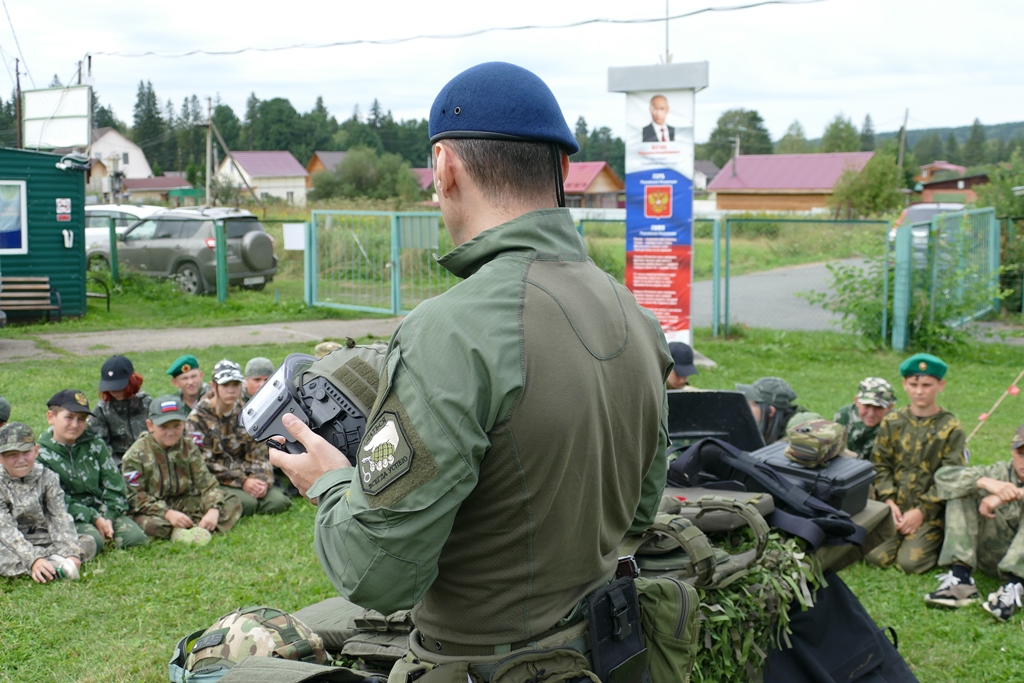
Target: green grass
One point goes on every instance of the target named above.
(122, 620)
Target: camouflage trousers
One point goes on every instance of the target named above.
(274, 502)
(11, 565)
(159, 527)
(127, 534)
(993, 546)
(914, 554)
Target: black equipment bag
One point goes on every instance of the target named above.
(836, 640)
(715, 464)
(843, 483)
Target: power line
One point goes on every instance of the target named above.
(3, 55)
(11, 23)
(452, 36)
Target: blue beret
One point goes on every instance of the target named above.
(499, 101)
(924, 364)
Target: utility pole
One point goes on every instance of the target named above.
(903, 139)
(735, 153)
(79, 72)
(17, 98)
(668, 57)
(209, 149)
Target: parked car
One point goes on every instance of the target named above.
(181, 243)
(919, 216)
(97, 227)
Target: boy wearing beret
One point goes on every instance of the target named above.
(171, 491)
(984, 530)
(187, 378)
(93, 488)
(912, 443)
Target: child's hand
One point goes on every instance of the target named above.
(989, 504)
(43, 571)
(178, 520)
(912, 521)
(210, 519)
(105, 527)
(1006, 491)
(897, 514)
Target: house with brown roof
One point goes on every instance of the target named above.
(782, 182)
(927, 172)
(269, 174)
(322, 161)
(149, 190)
(957, 189)
(592, 185)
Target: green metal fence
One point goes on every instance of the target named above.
(948, 267)
(375, 261)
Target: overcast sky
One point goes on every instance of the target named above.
(949, 62)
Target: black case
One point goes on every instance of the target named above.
(844, 483)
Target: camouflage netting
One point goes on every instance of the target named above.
(750, 616)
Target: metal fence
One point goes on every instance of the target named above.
(946, 271)
(374, 261)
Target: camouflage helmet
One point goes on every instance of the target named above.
(774, 391)
(875, 391)
(250, 631)
(812, 443)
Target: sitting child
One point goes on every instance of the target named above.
(171, 492)
(93, 487)
(37, 535)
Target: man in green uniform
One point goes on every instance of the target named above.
(188, 379)
(772, 402)
(257, 371)
(520, 427)
(170, 490)
(984, 530)
(873, 401)
(911, 445)
(237, 460)
(93, 487)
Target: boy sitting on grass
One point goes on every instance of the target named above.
(984, 530)
(94, 490)
(171, 492)
(912, 443)
(37, 535)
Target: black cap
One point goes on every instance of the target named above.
(71, 400)
(115, 373)
(682, 356)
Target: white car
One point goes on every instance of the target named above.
(97, 227)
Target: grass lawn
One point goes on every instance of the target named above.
(121, 621)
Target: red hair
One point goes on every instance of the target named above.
(130, 389)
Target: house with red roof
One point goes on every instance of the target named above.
(269, 174)
(927, 172)
(592, 185)
(149, 190)
(782, 182)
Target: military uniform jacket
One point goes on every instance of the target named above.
(157, 477)
(231, 454)
(92, 483)
(861, 438)
(519, 434)
(960, 482)
(908, 450)
(203, 391)
(120, 423)
(32, 516)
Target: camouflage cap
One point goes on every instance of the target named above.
(227, 371)
(924, 364)
(259, 367)
(16, 436)
(254, 631)
(325, 347)
(5, 409)
(1018, 438)
(800, 418)
(771, 390)
(183, 364)
(875, 391)
(164, 409)
(812, 443)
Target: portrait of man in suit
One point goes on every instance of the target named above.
(656, 130)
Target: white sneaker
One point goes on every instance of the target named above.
(1004, 602)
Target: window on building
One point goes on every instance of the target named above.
(291, 197)
(124, 158)
(13, 217)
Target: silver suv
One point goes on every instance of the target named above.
(181, 243)
(97, 227)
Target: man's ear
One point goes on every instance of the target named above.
(446, 170)
(565, 165)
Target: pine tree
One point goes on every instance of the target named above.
(840, 136)
(867, 135)
(149, 128)
(252, 106)
(952, 150)
(974, 149)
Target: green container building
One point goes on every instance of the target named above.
(42, 225)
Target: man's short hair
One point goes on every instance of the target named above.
(507, 171)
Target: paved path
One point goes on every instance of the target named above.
(770, 300)
(133, 341)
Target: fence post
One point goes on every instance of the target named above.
(115, 275)
(396, 258)
(716, 275)
(885, 284)
(901, 287)
(728, 230)
(221, 246)
(308, 263)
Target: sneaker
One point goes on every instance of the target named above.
(952, 592)
(65, 567)
(196, 535)
(1005, 601)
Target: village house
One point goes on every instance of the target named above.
(269, 174)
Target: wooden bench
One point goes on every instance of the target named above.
(29, 294)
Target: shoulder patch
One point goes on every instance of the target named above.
(385, 453)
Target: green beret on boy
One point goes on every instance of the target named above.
(924, 364)
(183, 364)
